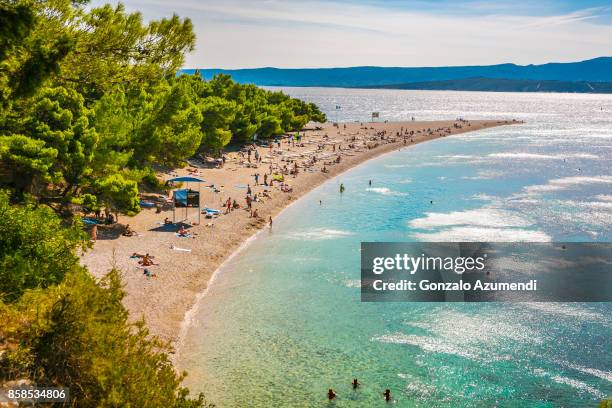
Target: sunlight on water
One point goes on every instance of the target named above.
(283, 321)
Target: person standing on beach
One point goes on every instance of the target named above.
(270, 222)
(341, 188)
(256, 179)
(94, 233)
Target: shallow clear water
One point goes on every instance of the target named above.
(283, 320)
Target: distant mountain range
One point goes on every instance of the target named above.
(594, 76)
(506, 85)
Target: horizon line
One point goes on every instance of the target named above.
(384, 66)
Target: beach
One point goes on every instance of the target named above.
(184, 265)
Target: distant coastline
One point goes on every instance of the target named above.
(590, 76)
(504, 85)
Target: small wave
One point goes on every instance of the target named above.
(355, 283)
(567, 182)
(579, 385)
(320, 234)
(484, 224)
(428, 344)
(485, 217)
(483, 197)
(417, 388)
(385, 191)
(604, 197)
(485, 175)
(537, 156)
(456, 156)
(475, 234)
(591, 205)
(604, 375)
(397, 166)
(565, 310)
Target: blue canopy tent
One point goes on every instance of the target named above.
(186, 197)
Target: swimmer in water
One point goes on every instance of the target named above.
(355, 383)
(341, 188)
(331, 394)
(370, 183)
(387, 395)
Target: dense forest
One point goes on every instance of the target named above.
(90, 101)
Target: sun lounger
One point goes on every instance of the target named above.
(146, 204)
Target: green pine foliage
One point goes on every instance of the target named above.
(62, 328)
(90, 103)
(90, 100)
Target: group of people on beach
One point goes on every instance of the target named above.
(331, 394)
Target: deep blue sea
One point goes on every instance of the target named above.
(283, 322)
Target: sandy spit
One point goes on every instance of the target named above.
(181, 276)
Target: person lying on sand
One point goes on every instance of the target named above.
(182, 231)
(128, 232)
(147, 260)
(149, 274)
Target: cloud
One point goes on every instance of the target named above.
(317, 33)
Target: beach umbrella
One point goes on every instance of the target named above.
(182, 195)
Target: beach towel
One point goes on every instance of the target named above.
(183, 236)
(181, 249)
(146, 204)
(211, 211)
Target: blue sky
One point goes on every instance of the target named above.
(332, 33)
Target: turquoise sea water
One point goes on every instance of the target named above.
(283, 321)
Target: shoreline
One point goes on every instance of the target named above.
(168, 301)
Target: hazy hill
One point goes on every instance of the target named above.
(506, 85)
(594, 70)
